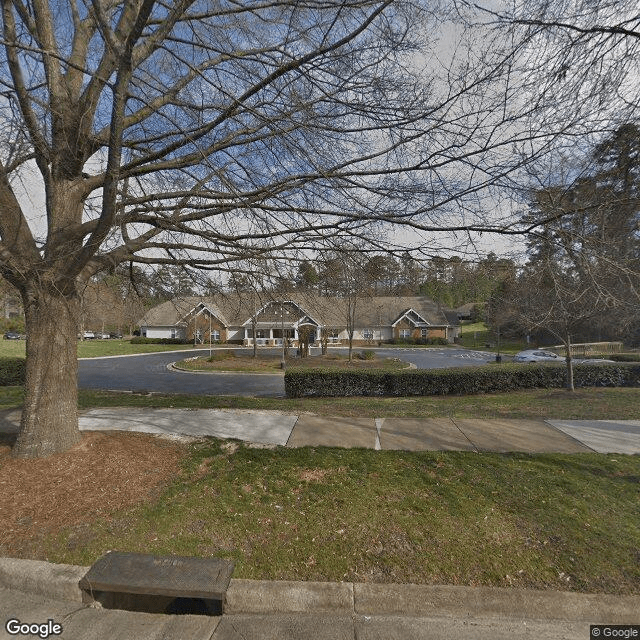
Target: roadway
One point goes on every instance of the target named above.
(151, 372)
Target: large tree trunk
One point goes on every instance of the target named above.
(50, 415)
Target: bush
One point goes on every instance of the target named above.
(141, 340)
(624, 357)
(12, 372)
(367, 354)
(411, 341)
(466, 380)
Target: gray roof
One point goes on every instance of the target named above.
(235, 309)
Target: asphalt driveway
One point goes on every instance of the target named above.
(150, 372)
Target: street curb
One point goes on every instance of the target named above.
(172, 367)
(57, 581)
(60, 582)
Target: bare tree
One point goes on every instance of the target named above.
(203, 133)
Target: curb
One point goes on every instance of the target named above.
(57, 581)
(60, 582)
(173, 367)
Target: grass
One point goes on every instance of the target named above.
(594, 404)
(566, 522)
(549, 521)
(229, 361)
(97, 348)
(476, 335)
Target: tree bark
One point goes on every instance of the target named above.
(569, 359)
(50, 415)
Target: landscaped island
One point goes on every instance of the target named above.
(230, 360)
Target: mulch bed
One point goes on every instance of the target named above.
(102, 474)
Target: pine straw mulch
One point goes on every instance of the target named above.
(104, 473)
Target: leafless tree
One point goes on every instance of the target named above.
(203, 133)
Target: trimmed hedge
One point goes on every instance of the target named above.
(12, 372)
(468, 380)
(140, 340)
(624, 357)
(427, 341)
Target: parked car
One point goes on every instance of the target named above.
(594, 361)
(13, 335)
(115, 335)
(537, 355)
(88, 335)
(102, 336)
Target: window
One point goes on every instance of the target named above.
(367, 334)
(424, 333)
(215, 335)
(405, 333)
(173, 333)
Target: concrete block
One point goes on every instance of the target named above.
(423, 434)
(504, 435)
(331, 431)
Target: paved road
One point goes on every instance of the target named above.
(151, 373)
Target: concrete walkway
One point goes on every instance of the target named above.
(35, 592)
(413, 434)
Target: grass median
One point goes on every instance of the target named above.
(229, 360)
(567, 522)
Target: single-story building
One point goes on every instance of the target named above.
(241, 318)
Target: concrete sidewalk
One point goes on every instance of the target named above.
(412, 434)
(34, 592)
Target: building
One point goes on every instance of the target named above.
(241, 318)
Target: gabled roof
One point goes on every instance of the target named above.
(413, 317)
(236, 309)
(201, 307)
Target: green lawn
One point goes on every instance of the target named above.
(477, 336)
(568, 522)
(97, 348)
(594, 403)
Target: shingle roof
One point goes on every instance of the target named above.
(235, 309)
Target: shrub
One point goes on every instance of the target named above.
(466, 380)
(12, 371)
(624, 357)
(141, 340)
(367, 354)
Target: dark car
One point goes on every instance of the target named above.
(13, 335)
(115, 335)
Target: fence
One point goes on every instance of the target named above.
(587, 349)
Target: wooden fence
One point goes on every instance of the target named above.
(588, 349)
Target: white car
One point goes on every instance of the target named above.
(537, 355)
